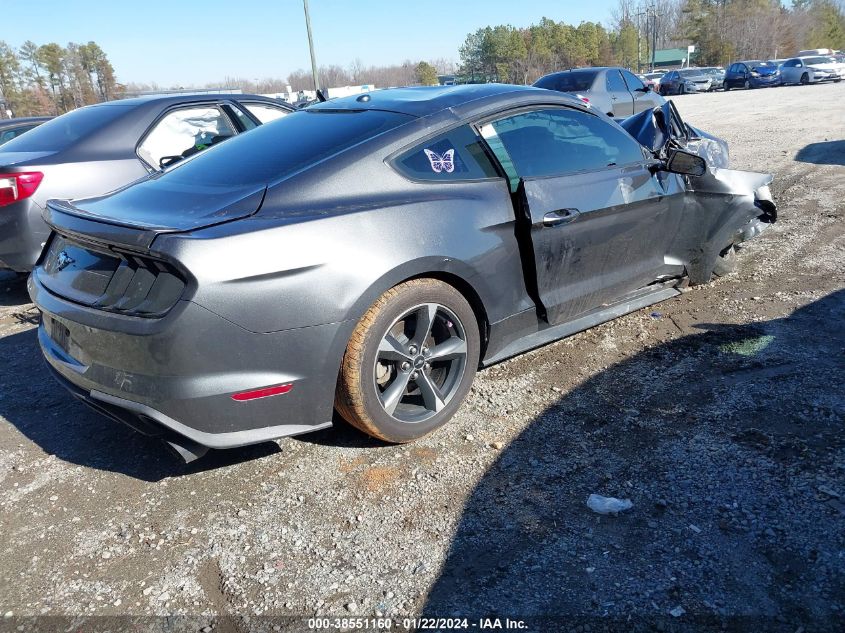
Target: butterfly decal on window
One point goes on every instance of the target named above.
(441, 162)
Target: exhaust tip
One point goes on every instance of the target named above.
(186, 450)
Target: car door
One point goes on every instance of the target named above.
(669, 83)
(643, 98)
(743, 74)
(596, 220)
(731, 76)
(621, 100)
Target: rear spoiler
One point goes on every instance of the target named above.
(66, 219)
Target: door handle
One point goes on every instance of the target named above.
(561, 216)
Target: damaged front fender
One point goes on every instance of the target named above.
(721, 209)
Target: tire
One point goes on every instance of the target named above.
(385, 351)
(726, 264)
(747, 85)
(682, 89)
(725, 86)
(662, 91)
(805, 79)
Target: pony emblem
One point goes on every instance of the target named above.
(441, 162)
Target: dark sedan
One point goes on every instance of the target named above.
(96, 149)
(370, 253)
(685, 80)
(751, 74)
(13, 128)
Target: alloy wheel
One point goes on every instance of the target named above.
(420, 362)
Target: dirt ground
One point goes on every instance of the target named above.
(718, 413)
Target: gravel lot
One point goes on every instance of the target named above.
(719, 413)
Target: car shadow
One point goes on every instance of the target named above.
(719, 438)
(12, 289)
(825, 153)
(44, 412)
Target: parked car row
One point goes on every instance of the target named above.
(364, 255)
(748, 74)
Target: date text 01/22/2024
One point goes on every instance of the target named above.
(415, 624)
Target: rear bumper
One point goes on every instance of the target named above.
(177, 374)
(22, 235)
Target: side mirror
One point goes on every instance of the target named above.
(647, 88)
(685, 163)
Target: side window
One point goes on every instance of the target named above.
(265, 112)
(455, 155)
(743, 68)
(614, 82)
(558, 142)
(633, 81)
(732, 69)
(182, 133)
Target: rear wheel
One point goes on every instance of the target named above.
(726, 86)
(410, 362)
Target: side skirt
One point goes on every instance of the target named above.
(634, 301)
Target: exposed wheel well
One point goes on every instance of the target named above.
(470, 295)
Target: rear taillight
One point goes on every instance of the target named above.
(14, 187)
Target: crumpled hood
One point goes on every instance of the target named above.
(765, 70)
(651, 128)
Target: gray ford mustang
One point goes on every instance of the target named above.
(368, 254)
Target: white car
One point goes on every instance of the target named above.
(807, 70)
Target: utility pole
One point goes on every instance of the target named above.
(311, 47)
(639, 30)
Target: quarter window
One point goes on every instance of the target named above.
(184, 132)
(559, 142)
(242, 117)
(614, 82)
(265, 112)
(455, 155)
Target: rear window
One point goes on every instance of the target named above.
(64, 131)
(282, 147)
(572, 81)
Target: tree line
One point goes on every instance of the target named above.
(52, 79)
(721, 30)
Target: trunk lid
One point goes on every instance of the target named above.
(132, 217)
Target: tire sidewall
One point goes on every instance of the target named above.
(409, 297)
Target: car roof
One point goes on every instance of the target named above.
(422, 101)
(23, 120)
(185, 98)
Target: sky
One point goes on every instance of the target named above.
(194, 42)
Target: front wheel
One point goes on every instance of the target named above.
(410, 362)
(805, 79)
(747, 85)
(682, 89)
